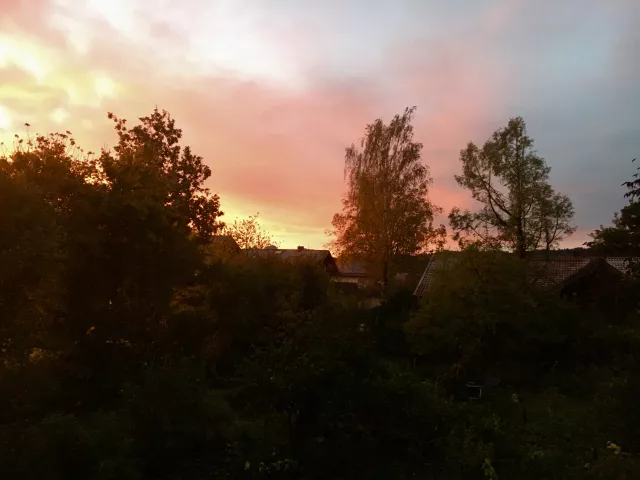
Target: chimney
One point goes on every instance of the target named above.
(300, 248)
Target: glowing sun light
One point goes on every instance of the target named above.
(5, 119)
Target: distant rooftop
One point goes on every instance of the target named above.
(288, 253)
(558, 267)
(351, 268)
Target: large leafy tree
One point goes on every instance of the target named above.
(99, 244)
(386, 211)
(49, 193)
(156, 205)
(152, 149)
(520, 209)
(479, 302)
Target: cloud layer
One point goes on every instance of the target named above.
(270, 97)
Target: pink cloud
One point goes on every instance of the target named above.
(272, 149)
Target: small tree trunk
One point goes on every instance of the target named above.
(521, 247)
(385, 277)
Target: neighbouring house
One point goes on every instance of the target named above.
(352, 272)
(582, 276)
(596, 281)
(349, 277)
(222, 247)
(226, 243)
(408, 270)
(322, 258)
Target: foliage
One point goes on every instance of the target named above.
(129, 350)
(485, 315)
(485, 318)
(633, 186)
(385, 210)
(248, 233)
(623, 237)
(150, 158)
(519, 207)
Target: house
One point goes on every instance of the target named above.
(595, 281)
(570, 275)
(352, 272)
(436, 263)
(348, 277)
(225, 243)
(407, 268)
(322, 258)
(221, 247)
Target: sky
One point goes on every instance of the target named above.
(270, 92)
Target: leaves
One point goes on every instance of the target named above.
(248, 233)
(520, 209)
(129, 350)
(386, 211)
(633, 186)
(623, 237)
(149, 156)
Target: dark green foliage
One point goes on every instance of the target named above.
(623, 237)
(132, 349)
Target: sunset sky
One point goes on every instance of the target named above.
(270, 92)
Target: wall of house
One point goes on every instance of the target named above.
(603, 290)
(355, 280)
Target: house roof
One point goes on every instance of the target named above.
(558, 268)
(351, 268)
(289, 254)
(224, 242)
(437, 262)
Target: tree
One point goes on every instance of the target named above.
(152, 148)
(386, 211)
(48, 189)
(556, 212)
(520, 209)
(484, 313)
(248, 233)
(633, 186)
(624, 236)
(155, 204)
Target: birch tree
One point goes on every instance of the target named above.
(386, 211)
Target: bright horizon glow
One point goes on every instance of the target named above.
(5, 119)
(59, 115)
(104, 86)
(23, 55)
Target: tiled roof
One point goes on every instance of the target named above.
(224, 242)
(436, 262)
(288, 254)
(351, 268)
(556, 270)
(561, 268)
